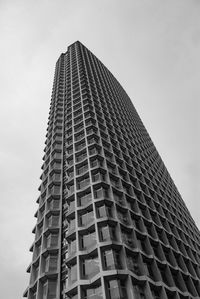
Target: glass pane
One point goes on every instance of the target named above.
(73, 274)
(114, 289)
(90, 267)
(133, 265)
(51, 289)
(85, 199)
(87, 218)
(72, 247)
(95, 293)
(105, 233)
(53, 263)
(72, 224)
(102, 211)
(89, 240)
(72, 206)
(109, 259)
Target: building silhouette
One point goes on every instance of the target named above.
(110, 221)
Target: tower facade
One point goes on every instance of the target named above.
(110, 221)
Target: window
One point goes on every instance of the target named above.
(53, 220)
(51, 289)
(82, 169)
(90, 267)
(73, 274)
(87, 218)
(98, 177)
(69, 141)
(89, 122)
(104, 211)
(115, 182)
(85, 198)
(72, 246)
(88, 241)
(78, 112)
(107, 233)
(71, 206)
(117, 289)
(70, 174)
(55, 190)
(83, 183)
(132, 263)
(44, 291)
(79, 146)
(78, 127)
(127, 238)
(51, 263)
(76, 121)
(72, 224)
(36, 271)
(81, 157)
(70, 161)
(95, 163)
(111, 260)
(93, 151)
(155, 293)
(109, 157)
(93, 293)
(77, 106)
(92, 140)
(118, 197)
(127, 189)
(52, 240)
(123, 217)
(55, 177)
(34, 295)
(163, 271)
(91, 131)
(100, 192)
(139, 291)
(79, 136)
(71, 188)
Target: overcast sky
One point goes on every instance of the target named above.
(151, 46)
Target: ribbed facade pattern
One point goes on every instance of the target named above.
(110, 222)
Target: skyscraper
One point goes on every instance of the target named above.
(110, 222)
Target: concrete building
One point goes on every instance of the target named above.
(110, 221)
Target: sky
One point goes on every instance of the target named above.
(151, 46)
